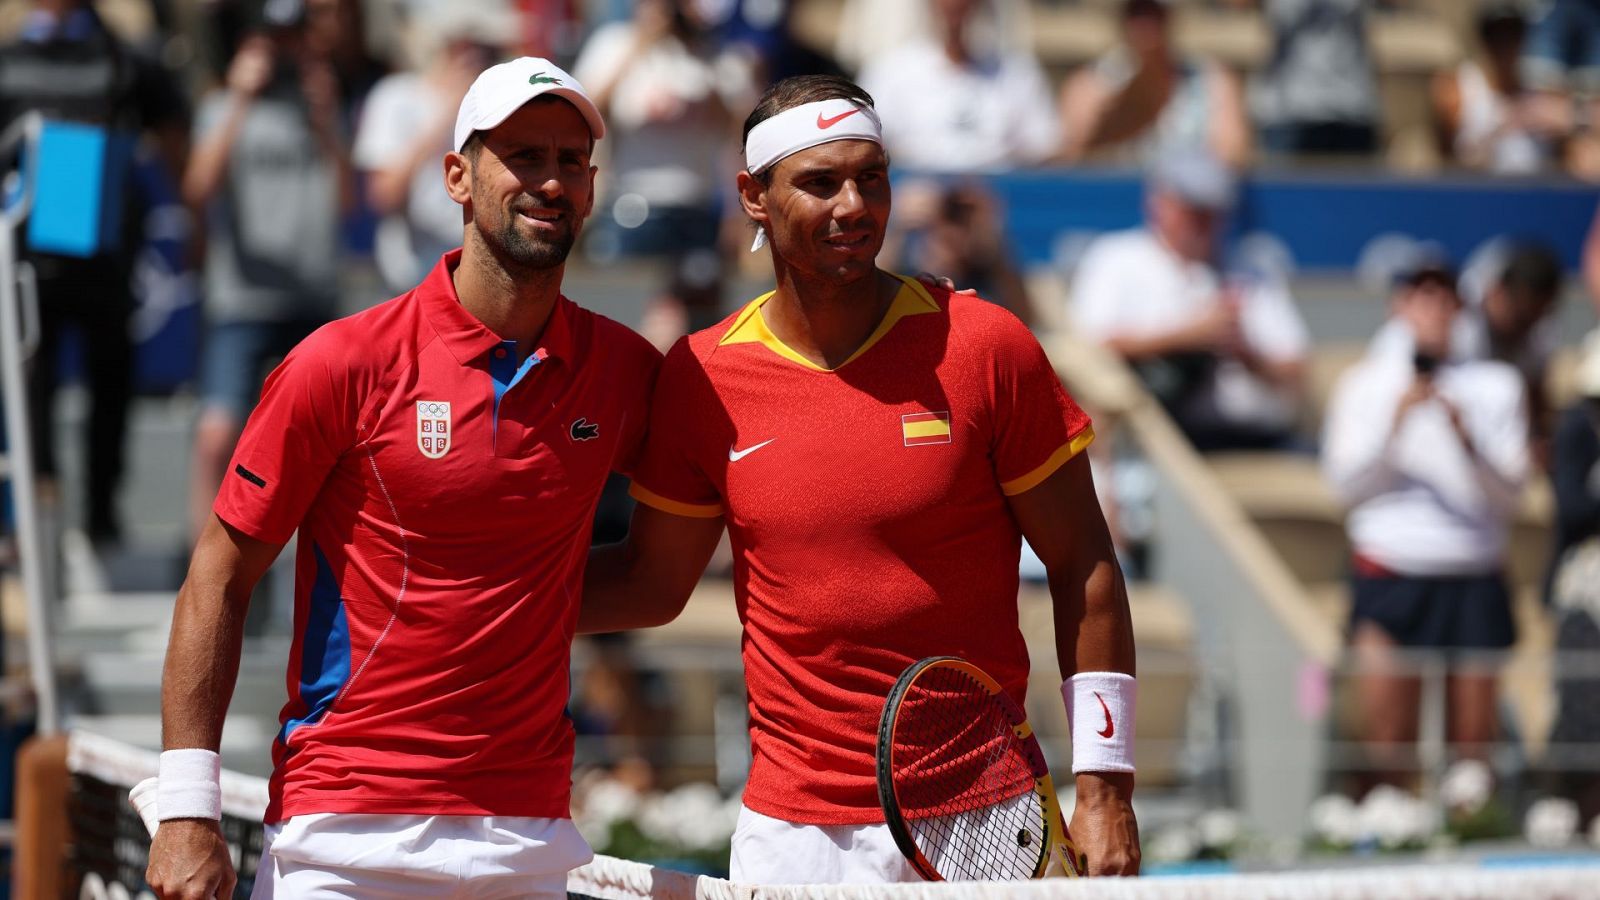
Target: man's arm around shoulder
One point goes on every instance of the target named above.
(188, 857)
(646, 580)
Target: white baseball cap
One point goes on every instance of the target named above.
(503, 89)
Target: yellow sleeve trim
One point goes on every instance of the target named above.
(691, 510)
(1057, 459)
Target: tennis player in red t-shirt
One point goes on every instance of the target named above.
(877, 451)
(440, 456)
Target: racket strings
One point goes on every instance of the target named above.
(964, 780)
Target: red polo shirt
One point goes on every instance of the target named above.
(443, 494)
(868, 515)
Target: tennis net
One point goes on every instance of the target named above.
(106, 849)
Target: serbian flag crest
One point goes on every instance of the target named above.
(433, 428)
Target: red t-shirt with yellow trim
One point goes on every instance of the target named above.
(867, 511)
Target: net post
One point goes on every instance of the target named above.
(43, 788)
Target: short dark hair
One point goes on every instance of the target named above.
(799, 90)
(1532, 272)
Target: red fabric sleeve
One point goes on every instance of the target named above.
(671, 475)
(640, 382)
(305, 421)
(1037, 426)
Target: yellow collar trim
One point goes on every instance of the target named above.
(751, 328)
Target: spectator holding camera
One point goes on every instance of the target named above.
(1428, 451)
(1224, 354)
(271, 174)
(1510, 295)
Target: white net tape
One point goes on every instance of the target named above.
(607, 878)
(113, 761)
(616, 879)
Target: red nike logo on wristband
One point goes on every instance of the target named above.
(834, 120)
(1110, 728)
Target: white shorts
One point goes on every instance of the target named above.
(772, 851)
(377, 857)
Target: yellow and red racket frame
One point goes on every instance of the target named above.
(1061, 848)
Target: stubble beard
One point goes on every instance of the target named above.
(517, 250)
(510, 244)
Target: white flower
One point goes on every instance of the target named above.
(1175, 843)
(1467, 785)
(693, 816)
(596, 833)
(608, 801)
(1334, 819)
(1218, 828)
(1551, 822)
(1394, 817)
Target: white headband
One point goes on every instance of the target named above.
(803, 127)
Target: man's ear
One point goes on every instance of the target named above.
(752, 196)
(458, 177)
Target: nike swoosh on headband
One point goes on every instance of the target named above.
(829, 122)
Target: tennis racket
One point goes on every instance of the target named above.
(964, 786)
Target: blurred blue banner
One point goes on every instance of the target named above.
(1326, 223)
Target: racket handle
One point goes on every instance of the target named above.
(1062, 866)
(143, 798)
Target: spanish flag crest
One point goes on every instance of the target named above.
(925, 428)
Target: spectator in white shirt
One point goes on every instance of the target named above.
(405, 133)
(1224, 353)
(1428, 451)
(1511, 292)
(954, 103)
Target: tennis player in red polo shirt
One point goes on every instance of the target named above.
(877, 452)
(441, 456)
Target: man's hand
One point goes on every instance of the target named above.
(1421, 391)
(320, 87)
(1458, 424)
(943, 282)
(189, 860)
(1103, 827)
(252, 67)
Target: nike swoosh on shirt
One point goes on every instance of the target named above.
(831, 121)
(736, 455)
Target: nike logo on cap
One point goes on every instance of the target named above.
(1110, 728)
(826, 123)
(736, 455)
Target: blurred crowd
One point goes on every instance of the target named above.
(300, 135)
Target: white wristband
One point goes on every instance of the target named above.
(143, 798)
(1100, 708)
(190, 785)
